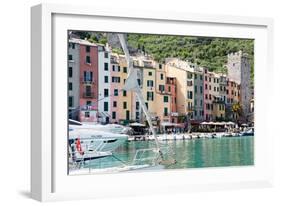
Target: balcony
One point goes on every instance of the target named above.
(136, 63)
(85, 81)
(88, 95)
(171, 81)
(113, 60)
(189, 83)
(174, 114)
(170, 114)
(163, 92)
(218, 99)
(147, 64)
(190, 108)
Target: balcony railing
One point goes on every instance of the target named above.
(84, 81)
(147, 64)
(190, 108)
(171, 82)
(164, 92)
(170, 114)
(136, 64)
(88, 95)
(113, 60)
(189, 83)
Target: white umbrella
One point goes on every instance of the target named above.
(165, 124)
(136, 124)
(230, 123)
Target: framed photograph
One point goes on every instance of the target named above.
(138, 102)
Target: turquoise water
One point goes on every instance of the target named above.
(198, 153)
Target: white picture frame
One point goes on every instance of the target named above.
(49, 179)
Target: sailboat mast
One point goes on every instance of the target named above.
(131, 84)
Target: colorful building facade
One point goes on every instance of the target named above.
(73, 79)
(163, 98)
(217, 105)
(239, 70)
(178, 69)
(115, 88)
(207, 95)
(233, 97)
(198, 110)
(173, 91)
(83, 80)
(124, 97)
(104, 88)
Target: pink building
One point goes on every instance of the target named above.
(88, 82)
(171, 89)
(232, 97)
(232, 92)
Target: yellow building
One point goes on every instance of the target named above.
(124, 97)
(190, 92)
(147, 80)
(218, 105)
(148, 86)
(156, 90)
(218, 110)
(163, 95)
(137, 113)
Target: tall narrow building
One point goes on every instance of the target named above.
(73, 79)
(239, 71)
(171, 89)
(124, 97)
(115, 87)
(217, 106)
(207, 95)
(163, 97)
(198, 94)
(181, 71)
(149, 85)
(88, 55)
(104, 92)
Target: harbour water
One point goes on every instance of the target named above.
(196, 153)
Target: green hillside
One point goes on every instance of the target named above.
(204, 51)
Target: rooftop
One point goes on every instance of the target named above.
(83, 42)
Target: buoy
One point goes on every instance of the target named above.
(79, 147)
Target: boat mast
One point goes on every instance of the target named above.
(131, 84)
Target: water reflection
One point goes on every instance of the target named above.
(235, 151)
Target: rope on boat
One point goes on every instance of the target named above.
(123, 162)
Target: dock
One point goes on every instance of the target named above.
(182, 136)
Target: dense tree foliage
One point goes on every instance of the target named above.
(204, 51)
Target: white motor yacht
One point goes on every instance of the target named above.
(113, 128)
(91, 142)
